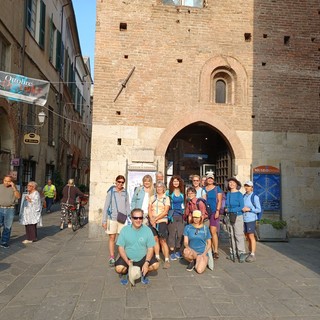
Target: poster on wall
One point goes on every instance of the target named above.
(135, 180)
(267, 185)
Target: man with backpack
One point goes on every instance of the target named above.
(251, 213)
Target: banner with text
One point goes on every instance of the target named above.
(20, 88)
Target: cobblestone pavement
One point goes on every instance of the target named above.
(65, 276)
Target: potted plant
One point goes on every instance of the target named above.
(272, 230)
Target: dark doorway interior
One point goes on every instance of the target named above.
(196, 149)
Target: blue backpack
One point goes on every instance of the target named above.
(259, 214)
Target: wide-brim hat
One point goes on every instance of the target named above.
(134, 273)
(236, 181)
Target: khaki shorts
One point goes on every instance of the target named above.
(113, 227)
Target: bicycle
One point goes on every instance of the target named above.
(79, 216)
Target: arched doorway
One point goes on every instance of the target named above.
(197, 149)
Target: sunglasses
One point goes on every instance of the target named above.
(121, 182)
(137, 218)
(197, 231)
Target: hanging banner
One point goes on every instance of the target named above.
(20, 88)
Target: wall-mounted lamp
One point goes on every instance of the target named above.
(41, 119)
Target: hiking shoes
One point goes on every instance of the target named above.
(111, 262)
(145, 280)
(242, 257)
(215, 255)
(178, 255)
(190, 266)
(251, 258)
(173, 257)
(124, 279)
(4, 245)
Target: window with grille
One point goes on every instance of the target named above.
(187, 3)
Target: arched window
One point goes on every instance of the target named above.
(221, 91)
(222, 85)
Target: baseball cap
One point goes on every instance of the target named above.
(210, 175)
(249, 183)
(197, 214)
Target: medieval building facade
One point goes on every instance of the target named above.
(183, 86)
(39, 40)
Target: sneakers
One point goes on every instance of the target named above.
(242, 257)
(190, 266)
(111, 262)
(173, 257)
(251, 258)
(124, 279)
(4, 245)
(61, 225)
(166, 265)
(69, 225)
(231, 257)
(145, 280)
(178, 255)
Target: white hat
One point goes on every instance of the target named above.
(134, 273)
(248, 183)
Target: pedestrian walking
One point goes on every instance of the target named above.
(115, 213)
(30, 214)
(69, 195)
(50, 193)
(9, 194)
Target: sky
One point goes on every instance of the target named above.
(85, 11)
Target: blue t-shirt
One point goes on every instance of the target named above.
(177, 203)
(212, 197)
(136, 241)
(197, 237)
(252, 214)
(234, 202)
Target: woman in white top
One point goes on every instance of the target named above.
(30, 214)
(201, 193)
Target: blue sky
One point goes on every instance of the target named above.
(85, 11)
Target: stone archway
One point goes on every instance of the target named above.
(227, 132)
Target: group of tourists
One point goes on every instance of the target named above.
(178, 223)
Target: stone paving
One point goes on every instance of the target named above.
(65, 276)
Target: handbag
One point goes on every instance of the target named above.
(232, 217)
(121, 217)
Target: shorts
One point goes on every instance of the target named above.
(161, 230)
(250, 227)
(121, 262)
(113, 227)
(214, 222)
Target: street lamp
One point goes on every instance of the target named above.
(41, 117)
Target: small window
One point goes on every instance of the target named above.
(220, 91)
(186, 3)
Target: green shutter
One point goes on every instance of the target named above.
(51, 40)
(58, 51)
(42, 24)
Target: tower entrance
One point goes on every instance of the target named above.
(197, 149)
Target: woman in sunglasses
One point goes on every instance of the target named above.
(197, 243)
(116, 206)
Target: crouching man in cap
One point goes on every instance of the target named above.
(136, 244)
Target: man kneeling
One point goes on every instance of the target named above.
(136, 244)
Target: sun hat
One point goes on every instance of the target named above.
(134, 273)
(196, 213)
(236, 181)
(249, 183)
